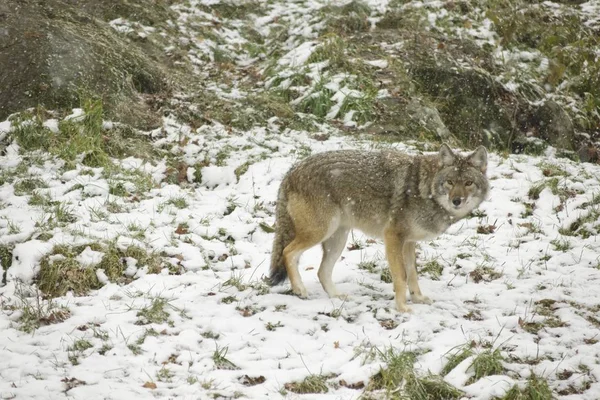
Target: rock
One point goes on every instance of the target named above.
(429, 118)
(549, 122)
(473, 106)
(554, 125)
(55, 55)
(589, 153)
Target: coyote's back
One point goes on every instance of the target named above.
(388, 194)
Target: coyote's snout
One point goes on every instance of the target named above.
(388, 194)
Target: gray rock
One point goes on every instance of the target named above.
(555, 125)
(54, 55)
(428, 117)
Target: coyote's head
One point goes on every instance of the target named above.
(461, 185)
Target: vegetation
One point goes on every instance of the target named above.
(196, 98)
(399, 380)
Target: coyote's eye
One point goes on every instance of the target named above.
(469, 183)
(449, 182)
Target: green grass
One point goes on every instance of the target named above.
(386, 275)
(310, 384)
(221, 361)
(112, 263)
(561, 245)
(60, 273)
(6, 258)
(318, 102)
(544, 308)
(270, 326)
(118, 189)
(486, 363)
(536, 388)
(348, 19)
(164, 374)
(550, 170)
(177, 202)
(29, 131)
(81, 140)
(140, 340)
(434, 269)
(536, 189)
(80, 345)
(585, 226)
(236, 281)
(77, 349)
(155, 313)
(210, 335)
(260, 287)
(484, 273)
(241, 170)
(332, 49)
(125, 182)
(12, 228)
(363, 106)
(370, 266)
(37, 312)
(461, 354)
(399, 379)
(28, 186)
(229, 300)
(62, 214)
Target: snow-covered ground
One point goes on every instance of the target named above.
(518, 276)
(218, 304)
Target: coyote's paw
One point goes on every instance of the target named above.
(300, 292)
(333, 293)
(420, 299)
(403, 308)
(342, 296)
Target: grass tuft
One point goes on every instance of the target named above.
(221, 361)
(60, 273)
(6, 258)
(456, 358)
(310, 384)
(544, 308)
(561, 245)
(80, 345)
(400, 381)
(486, 363)
(536, 389)
(349, 18)
(27, 186)
(155, 313)
(112, 264)
(484, 273)
(333, 50)
(434, 268)
(83, 139)
(38, 312)
(536, 189)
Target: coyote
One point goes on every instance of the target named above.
(387, 194)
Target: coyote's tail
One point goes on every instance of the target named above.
(284, 234)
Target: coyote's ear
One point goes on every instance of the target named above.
(447, 157)
(478, 159)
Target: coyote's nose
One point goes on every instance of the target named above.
(456, 201)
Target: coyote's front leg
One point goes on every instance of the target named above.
(394, 245)
(411, 274)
